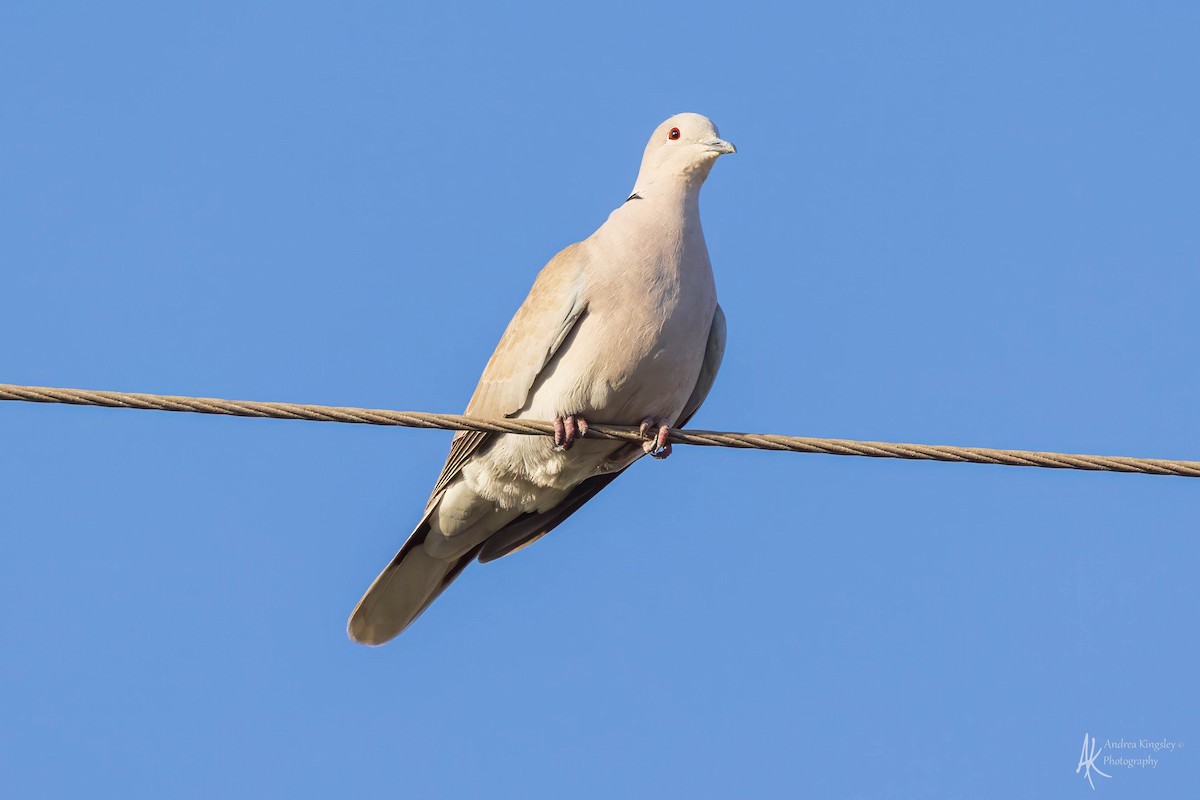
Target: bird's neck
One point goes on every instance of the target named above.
(673, 187)
(672, 204)
(655, 233)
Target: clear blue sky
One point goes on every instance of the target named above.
(942, 225)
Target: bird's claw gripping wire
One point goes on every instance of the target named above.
(655, 432)
(567, 429)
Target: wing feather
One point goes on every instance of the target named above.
(543, 322)
(714, 353)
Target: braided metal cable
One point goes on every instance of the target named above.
(754, 441)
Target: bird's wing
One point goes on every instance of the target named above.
(541, 325)
(528, 528)
(714, 352)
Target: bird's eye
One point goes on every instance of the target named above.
(674, 134)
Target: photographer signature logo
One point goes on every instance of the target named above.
(1146, 753)
(1087, 760)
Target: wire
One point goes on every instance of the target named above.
(525, 427)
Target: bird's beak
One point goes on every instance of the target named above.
(719, 146)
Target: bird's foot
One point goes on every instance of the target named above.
(655, 432)
(567, 429)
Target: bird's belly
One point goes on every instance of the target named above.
(529, 474)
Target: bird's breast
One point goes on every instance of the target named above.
(638, 349)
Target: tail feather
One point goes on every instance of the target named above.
(448, 538)
(403, 591)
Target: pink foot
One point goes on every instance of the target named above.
(567, 429)
(655, 432)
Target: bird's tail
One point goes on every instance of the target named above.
(404, 589)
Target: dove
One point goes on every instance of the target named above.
(622, 328)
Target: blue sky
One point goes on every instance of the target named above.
(944, 224)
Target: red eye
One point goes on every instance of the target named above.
(674, 134)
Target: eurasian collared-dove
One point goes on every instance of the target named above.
(622, 328)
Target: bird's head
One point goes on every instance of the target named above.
(684, 147)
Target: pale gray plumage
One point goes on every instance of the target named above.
(619, 328)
